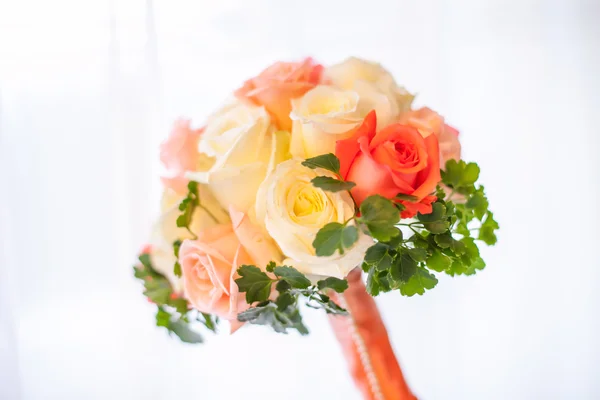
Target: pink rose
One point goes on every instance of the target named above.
(179, 153)
(276, 86)
(427, 122)
(209, 265)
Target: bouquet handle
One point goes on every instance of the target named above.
(366, 345)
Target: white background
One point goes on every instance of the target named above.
(88, 90)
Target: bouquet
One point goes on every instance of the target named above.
(305, 179)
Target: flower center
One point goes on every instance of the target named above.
(406, 154)
(307, 202)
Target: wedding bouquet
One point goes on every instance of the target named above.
(307, 176)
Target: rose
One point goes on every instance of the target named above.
(293, 211)
(179, 154)
(427, 122)
(165, 230)
(237, 149)
(375, 86)
(396, 160)
(209, 264)
(321, 117)
(277, 85)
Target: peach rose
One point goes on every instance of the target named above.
(427, 122)
(210, 262)
(276, 86)
(395, 160)
(179, 153)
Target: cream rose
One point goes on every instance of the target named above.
(165, 230)
(375, 86)
(238, 147)
(292, 210)
(321, 117)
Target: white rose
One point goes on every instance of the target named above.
(293, 211)
(238, 147)
(166, 232)
(374, 85)
(321, 117)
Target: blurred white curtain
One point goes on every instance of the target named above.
(87, 92)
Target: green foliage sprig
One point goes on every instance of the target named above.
(283, 312)
(173, 312)
(441, 241)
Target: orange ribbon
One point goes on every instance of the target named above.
(366, 345)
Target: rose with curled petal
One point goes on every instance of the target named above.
(292, 211)
(375, 86)
(321, 117)
(395, 160)
(209, 265)
(237, 149)
(276, 86)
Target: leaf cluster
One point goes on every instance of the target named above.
(279, 308)
(173, 312)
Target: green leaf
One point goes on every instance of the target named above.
(457, 268)
(339, 285)
(373, 287)
(470, 174)
(180, 304)
(403, 268)
(380, 215)
(476, 265)
(443, 240)
(177, 269)
(330, 307)
(292, 276)
(187, 335)
(471, 248)
(250, 314)
(407, 197)
(271, 266)
(331, 184)
(375, 253)
(163, 318)
(145, 260)
(438, 212)
(478, 202)
(326, 161)
(158, 290)
(254, 282)
(183, 220)
(349, 236)
(438, 261)
(457, 247)
(488, 229)
(282, 286)
(334, 236)
(209, 322)
(418, 254)
(385, 263)
(395, 241)
(437, 227)
(421, 281)
(284, 300)
(269, 314)
(452, 174)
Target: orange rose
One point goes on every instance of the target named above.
(276, 86)
(395, 160)
(427, 122)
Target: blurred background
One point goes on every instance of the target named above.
(88, 90)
